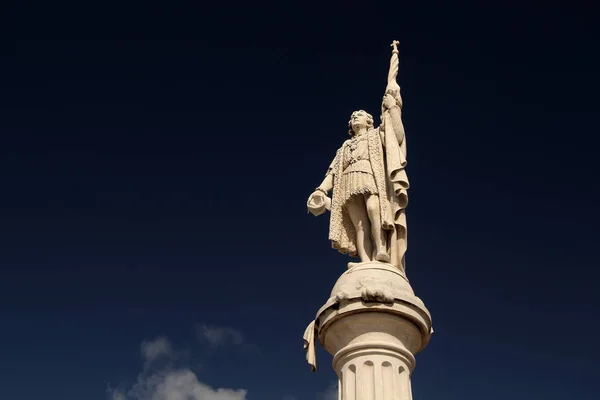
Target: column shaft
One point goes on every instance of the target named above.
(374, 374)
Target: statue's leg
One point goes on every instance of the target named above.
(358, 214)
(372, 202)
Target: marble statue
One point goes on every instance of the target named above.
(368, 184)
(373, 323)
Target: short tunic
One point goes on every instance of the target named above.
(357, 176)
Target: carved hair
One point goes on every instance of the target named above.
(369, 121)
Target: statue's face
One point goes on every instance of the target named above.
(358, 120)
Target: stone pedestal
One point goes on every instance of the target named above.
(373, 325)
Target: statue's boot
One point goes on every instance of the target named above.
(382, 256)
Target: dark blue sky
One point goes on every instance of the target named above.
(156, 160)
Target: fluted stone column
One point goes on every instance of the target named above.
(373, 325)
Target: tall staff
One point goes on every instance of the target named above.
(393, 130)
(392, 85)
(394, 66)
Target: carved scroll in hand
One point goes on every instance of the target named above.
(318, 203)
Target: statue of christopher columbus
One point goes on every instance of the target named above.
(368, 184)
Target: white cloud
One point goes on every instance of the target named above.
(218, 336)
(158, 347)
(116, 395)
(176, 385)
(169, 383)
(331, 393)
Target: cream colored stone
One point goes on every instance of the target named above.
(369, 184)
(372, 324)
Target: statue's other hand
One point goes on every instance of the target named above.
(318, 203)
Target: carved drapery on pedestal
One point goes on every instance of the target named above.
(373, 342)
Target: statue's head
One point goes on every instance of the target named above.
(358, 120)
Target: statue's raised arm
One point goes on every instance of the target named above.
(368, 184)
(392, 100)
